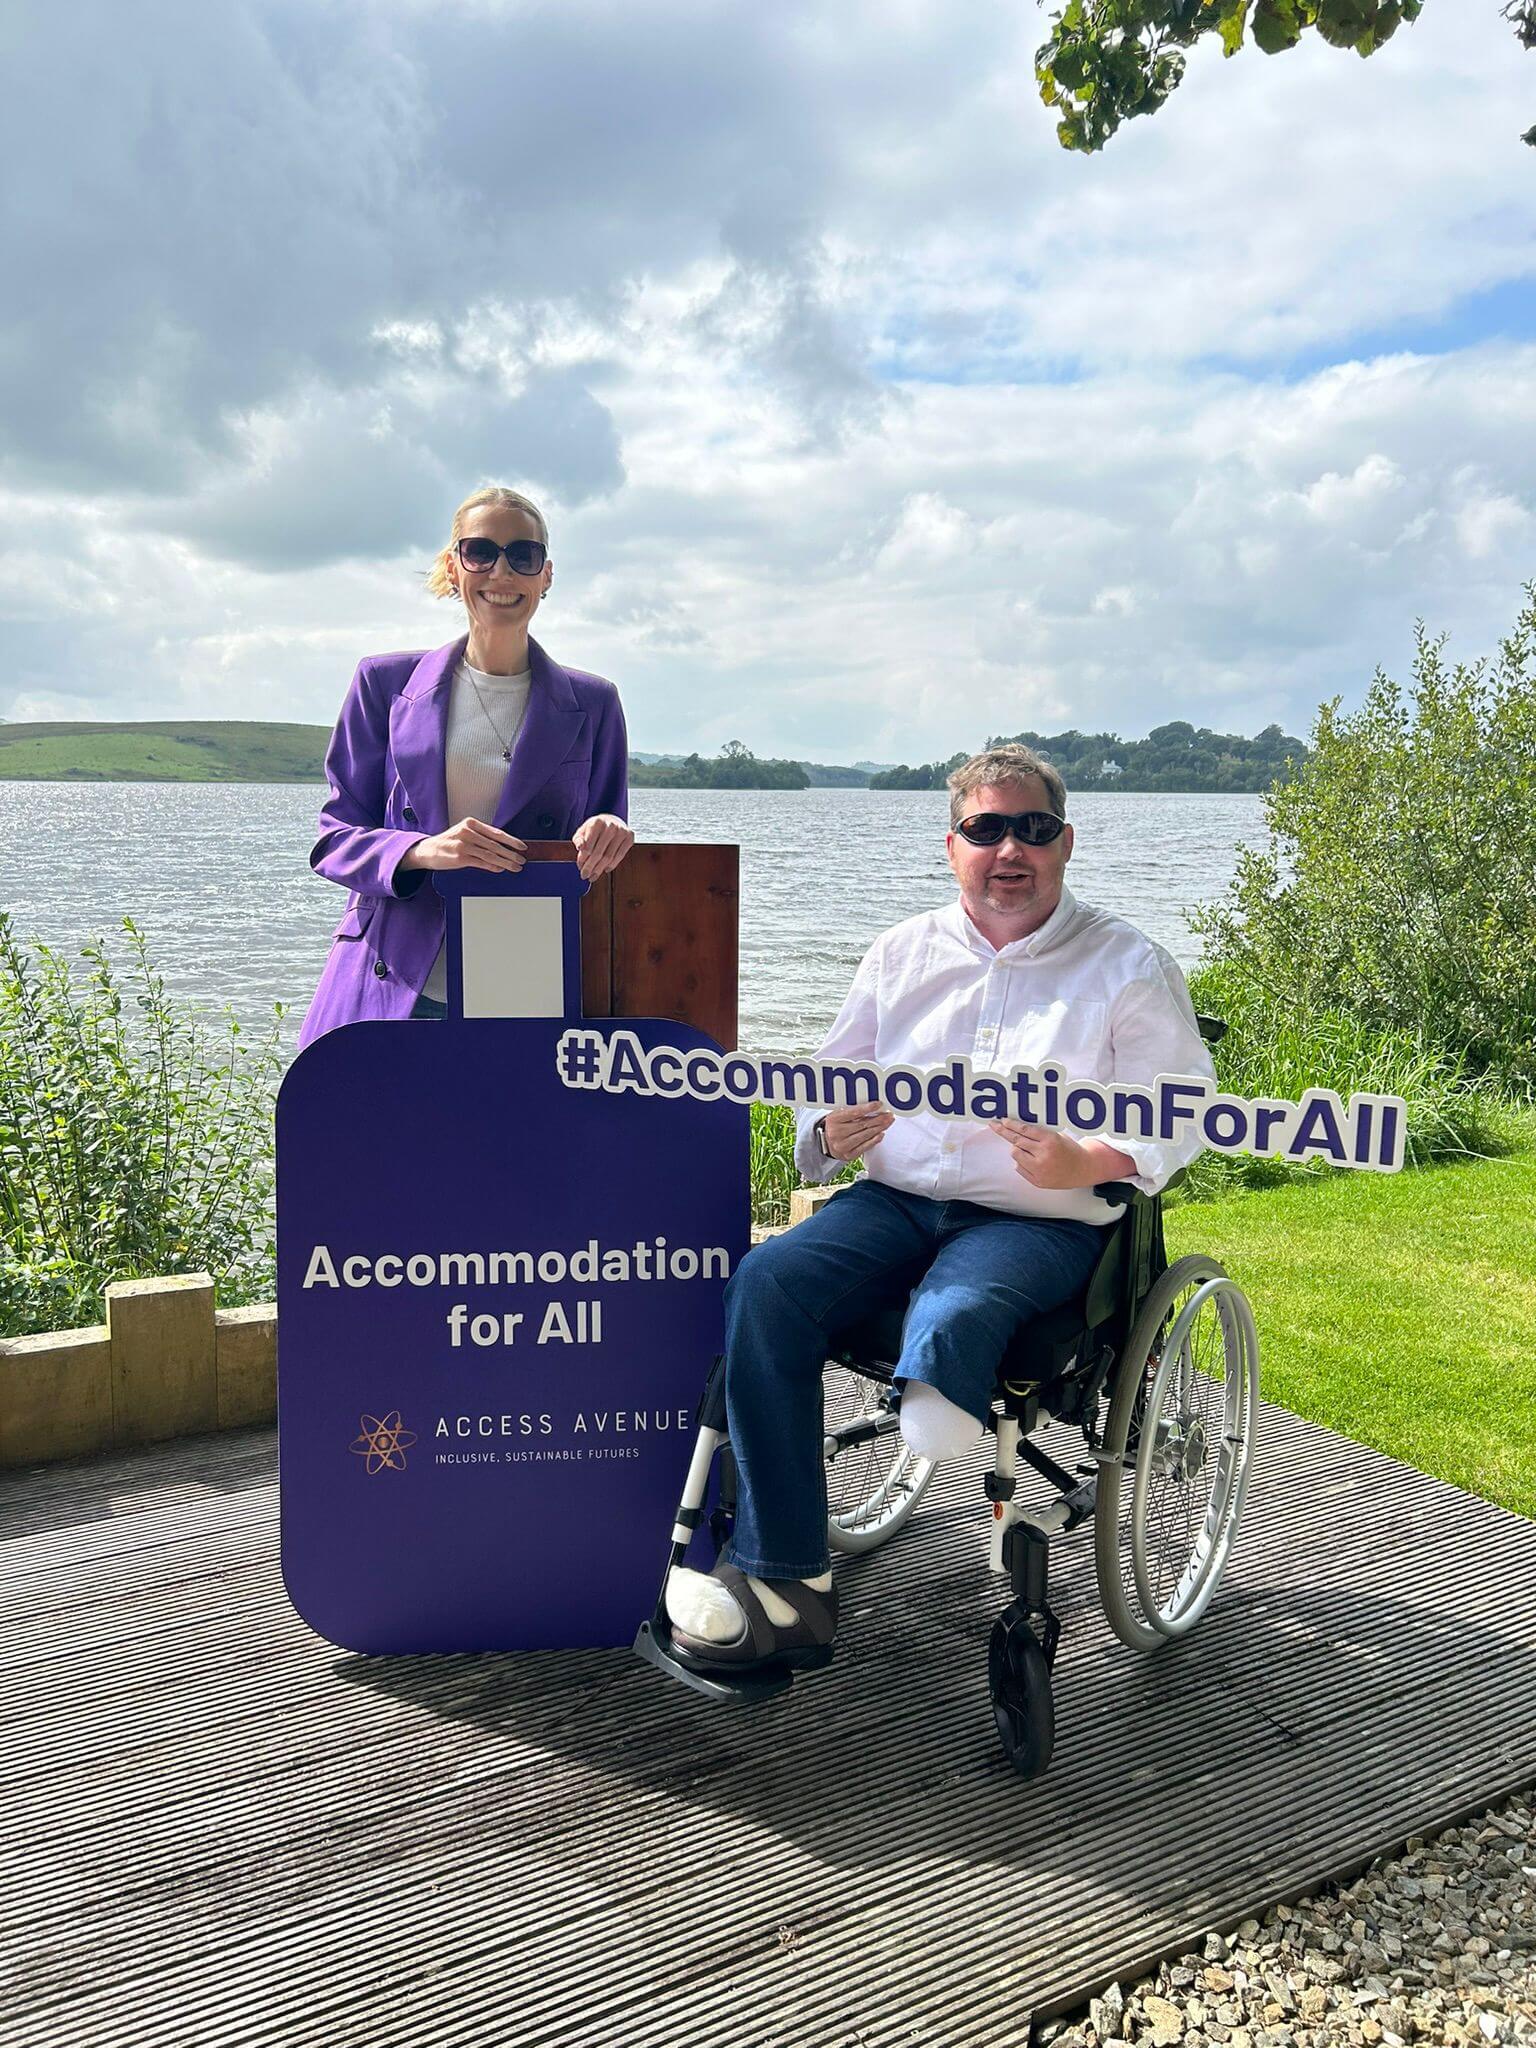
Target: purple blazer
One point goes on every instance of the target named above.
(385, 768)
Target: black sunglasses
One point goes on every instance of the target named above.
(1030, 828)
(524, 557)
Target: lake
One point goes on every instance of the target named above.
(217, 876)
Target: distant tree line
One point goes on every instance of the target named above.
(1177, 756)
(734, 767)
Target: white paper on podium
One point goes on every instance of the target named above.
(513, 952)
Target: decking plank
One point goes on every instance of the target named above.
(222, 1829)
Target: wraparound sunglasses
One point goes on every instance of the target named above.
(1030, 828)
(524, 557)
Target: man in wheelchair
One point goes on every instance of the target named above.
(987, 1226)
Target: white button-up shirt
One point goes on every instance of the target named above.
(1087, 990)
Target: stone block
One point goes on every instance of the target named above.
(804, 1202)
(164, 1376)
(55, 1395)
(245, 1364)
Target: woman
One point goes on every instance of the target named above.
(443, 760)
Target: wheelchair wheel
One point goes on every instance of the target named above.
(1019, 1678)
(1177, 1448)
(873, 1481)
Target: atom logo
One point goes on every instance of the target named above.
(383, 1442)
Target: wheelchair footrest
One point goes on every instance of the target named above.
(653, 1646)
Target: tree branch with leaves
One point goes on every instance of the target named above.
(1105, 61)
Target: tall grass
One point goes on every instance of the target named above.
(133, 1140)
(1278, 1046)
(772, 1159)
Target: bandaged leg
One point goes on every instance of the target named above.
(700, 1606)
(932, 1425)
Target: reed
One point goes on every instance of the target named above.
(772, 1162)
(1279, 1046)
(134, 1139)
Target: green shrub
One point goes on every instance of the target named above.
(133, 1141)
(1398, 888)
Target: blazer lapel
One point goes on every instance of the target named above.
(418, 731)
(550, 728)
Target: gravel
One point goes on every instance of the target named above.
(1435, 1946)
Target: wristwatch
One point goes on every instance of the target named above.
(821, 1139)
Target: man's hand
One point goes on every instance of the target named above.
(1050, 1159)
(601, 843)
(469, 844)
(850, 1133)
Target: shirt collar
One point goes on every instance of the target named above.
(1049, 934)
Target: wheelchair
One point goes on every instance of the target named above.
(1156, 1364)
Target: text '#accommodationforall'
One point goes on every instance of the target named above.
(1368, 1132)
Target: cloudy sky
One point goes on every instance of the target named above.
(869, 421)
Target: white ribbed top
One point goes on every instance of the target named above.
(485, 714)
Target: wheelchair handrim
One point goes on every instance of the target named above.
(890, 1495)
(1173, 1612)
(898, 1480)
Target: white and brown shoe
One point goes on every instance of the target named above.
(805, 1644)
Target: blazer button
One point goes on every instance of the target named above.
(380, 969)
(546, 820)
(409, 815)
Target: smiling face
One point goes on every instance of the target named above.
(495, 598)
(1009, 890)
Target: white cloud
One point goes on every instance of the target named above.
(928, 533)
(1489, 522)
(870, 421)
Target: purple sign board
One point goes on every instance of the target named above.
(498, 1299)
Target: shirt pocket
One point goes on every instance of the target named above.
(1071, 1031)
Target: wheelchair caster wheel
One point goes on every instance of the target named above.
(1020, 1681)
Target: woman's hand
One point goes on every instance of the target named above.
(601, 843)
(850, 1133)
(469, 844)
(1050, 1159)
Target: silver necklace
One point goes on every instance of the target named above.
(506, 744)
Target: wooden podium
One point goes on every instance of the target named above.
(659, 936)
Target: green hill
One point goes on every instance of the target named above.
(211, 750)
(240, 750)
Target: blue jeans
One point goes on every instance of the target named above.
(978, 1274)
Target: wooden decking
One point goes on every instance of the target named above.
(218, 1829)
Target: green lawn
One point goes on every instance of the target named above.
(1398, 1309)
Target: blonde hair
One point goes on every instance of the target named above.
(439, 582)
(1000, 765)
